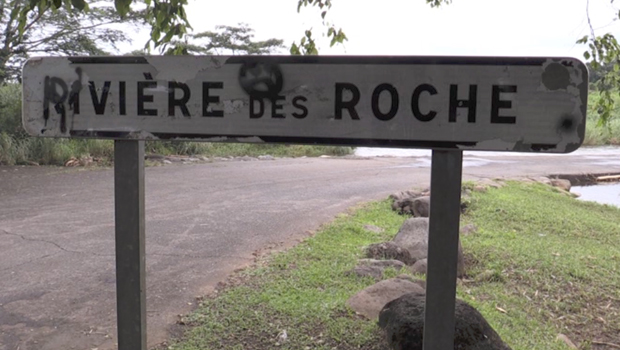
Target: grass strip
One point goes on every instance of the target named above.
(540, 263)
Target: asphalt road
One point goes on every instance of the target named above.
(57, 271)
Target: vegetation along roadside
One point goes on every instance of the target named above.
(539, 264)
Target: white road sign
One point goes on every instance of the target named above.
(482, 103)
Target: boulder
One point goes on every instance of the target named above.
(403, 322)
(421, 207)
(420, 267)
(405, 194)
(375, 268)
(384, 264)
(388, 251)
(366, 271)
(403, 202)
(413, 237)
(369, 301)
(562, 184)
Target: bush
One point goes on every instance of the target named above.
(16, 147)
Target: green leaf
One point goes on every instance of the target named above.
(79, 4)
(586, 55)
(122, 7)
(294, 50)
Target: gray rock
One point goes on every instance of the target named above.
(369, 301)
(367, 271)
(419, 282)
(389, 250)
(421, 207)
(403, 322)
(405, 194)
(396, 264)
(561, 183)
(374, 268)
(266, 157)
(413, 237)
(418, 204)
(166, 161)
(420, 267)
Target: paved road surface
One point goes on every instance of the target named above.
(57, 282)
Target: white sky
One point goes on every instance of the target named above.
(411, 27)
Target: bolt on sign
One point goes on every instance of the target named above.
(462, 103)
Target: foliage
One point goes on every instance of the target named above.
(64, 31)
(235, 40)
(307, 44)
(597, 132)
(16, 147)
(167, 18)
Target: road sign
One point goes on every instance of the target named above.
(481, 103)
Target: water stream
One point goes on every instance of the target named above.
(603, 193)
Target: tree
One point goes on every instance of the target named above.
(233, 40)
(62, 31)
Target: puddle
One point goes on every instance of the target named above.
(603, 193)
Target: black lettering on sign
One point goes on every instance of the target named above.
(415, 102)
(51, 96)
(469, 104)
(349, 105)
(207, 98)
(302, 108)
(181, 102)
(275, 107)
(393, 105)
(142, 98)
(122, 98)
(74, 94)
(261, 106)
(497, 104)
(99, 103)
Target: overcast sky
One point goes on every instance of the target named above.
(411, 27)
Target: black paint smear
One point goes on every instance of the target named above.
(567, 123)
(556, 77)
(51, 95)
(261, 80)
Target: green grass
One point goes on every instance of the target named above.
(302, 291)
(46, 151)
(557, 260)
(553, 263)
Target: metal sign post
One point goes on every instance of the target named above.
(130, 257)
(443, 241)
